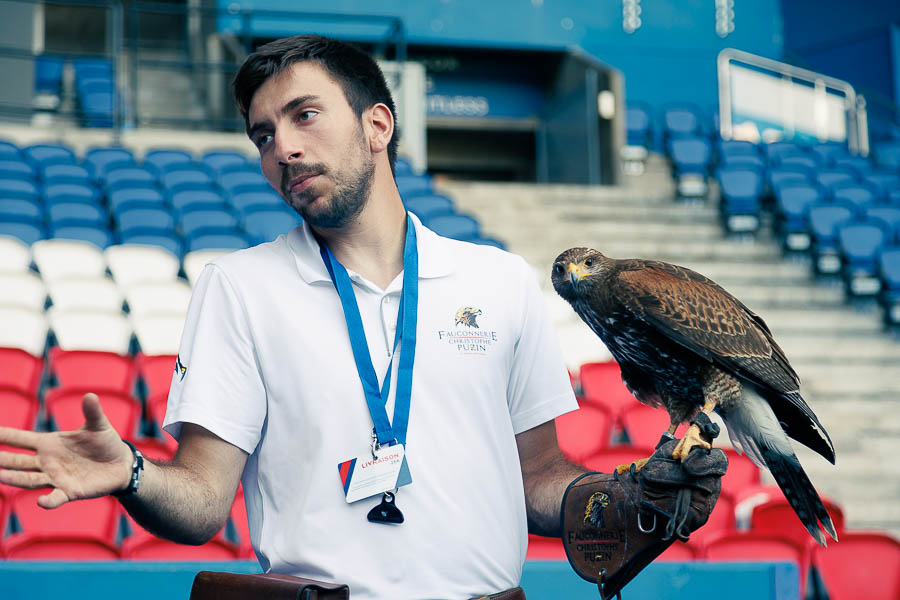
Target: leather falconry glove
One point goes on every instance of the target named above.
(615, 525)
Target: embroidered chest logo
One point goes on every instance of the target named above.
(467, 336)
(180, 368)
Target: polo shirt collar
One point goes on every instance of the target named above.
(434, 253)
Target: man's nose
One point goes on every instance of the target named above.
(288, 149)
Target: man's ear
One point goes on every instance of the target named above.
(380, 127)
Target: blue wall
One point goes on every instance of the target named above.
(669, 58)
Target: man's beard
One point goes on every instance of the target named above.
(351, 192)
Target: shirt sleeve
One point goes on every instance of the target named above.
(217, 383)
(539, 386)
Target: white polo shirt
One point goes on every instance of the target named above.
(269, 368)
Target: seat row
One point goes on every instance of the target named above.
(94, 87)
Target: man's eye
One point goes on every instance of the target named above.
(263, 140)
(306, 115)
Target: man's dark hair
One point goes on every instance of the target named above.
(356, 72)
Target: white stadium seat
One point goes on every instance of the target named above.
(59, 258)
(196, 260)
(23, 328)
(160, 297)
(91, 330)
(133, 263)
(15, 255)
(158, 334)
(92, 293)
(24, 289)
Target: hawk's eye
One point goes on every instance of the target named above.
(589, 262)
(558, 270)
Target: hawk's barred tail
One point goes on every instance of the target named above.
(800, 493)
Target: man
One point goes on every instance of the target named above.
(278, 384)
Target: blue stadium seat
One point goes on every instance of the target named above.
(48, 72)
(102, 160)
(824, 221)
(429, 206)
(27, 230)
(456, 226)
(71, 192)
(638, 130)
(98, 108)
(266, 224)
(403, 167)
(221, 161)
(196, 199)
(893, 197)
(827, 152)
(21, 209)
(17, 168)
(856, 194)
(129, 177)
(126, 198)
(9, 150)
(85, 231)
(860, 245)
(775, 152)
(250, 200)
(61, 212)
(45, 154)
(193, 220)
(830, 179)
(884, 182)
(792, 204)
(164, 160)
(92, 67)
(730, 148)
(91, 85)
(690, 161)
(888, 217)
(779, 176)
(681, 121)
(742, 190)
(804, 161)
(858, 165)
(753, 161)
(19, 188)
(218, 240)
(413, 185)
(887, 155)
(149, 236)
(889, 274)
(184, 179)
(65, 173)
(238, 182)
(143, 218)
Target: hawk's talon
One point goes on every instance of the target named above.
(691, 439)
(626, 468)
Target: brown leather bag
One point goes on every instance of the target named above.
(615, 525)
(211, 585)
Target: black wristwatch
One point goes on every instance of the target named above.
(136, 469)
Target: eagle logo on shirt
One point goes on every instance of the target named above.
(466, 316)
(179, 367)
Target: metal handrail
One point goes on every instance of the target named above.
(854, 104)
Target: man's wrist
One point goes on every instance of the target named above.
(136, 467)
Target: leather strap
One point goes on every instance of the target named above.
(210, 585)
(515, 593)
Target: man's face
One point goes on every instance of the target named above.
(312, 146)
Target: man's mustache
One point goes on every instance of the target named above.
(295, 170)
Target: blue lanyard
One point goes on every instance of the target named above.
(406, 335)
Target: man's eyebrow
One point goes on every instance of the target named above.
(293, 104)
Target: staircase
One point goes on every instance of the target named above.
(849, 367)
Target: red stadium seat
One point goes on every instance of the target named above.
(156, 407)
(583, 432)
(91, 370)
(545, 548)
(721, 520)
(862, 565)
(604, 461)
(241, 525)
(745, 546)
(156, 371)
(97, 517)
(63, 406)
(20, 370)
(25, 546)
(18, 409)
(645, 425)
(156, 449)
(148, 547)
(601, 383)
(772, 513)
(741, 474)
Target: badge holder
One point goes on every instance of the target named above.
(386, 512)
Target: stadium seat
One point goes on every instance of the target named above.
(127, 198)
(691, 157)
(21, 209)
(792, 204)
(791, 175)
(48, 73)
(133, 263)
(744, 546)
(27, 231)
(222, 161)
(583, 432)
(17, 168)
(827, 152)
(156, 372)
(824, 221)
(199, 199)
(56, 259)
(23, 328)
(129, 177)
(23, 289)
(644, 425)
(166, 239)
(128, 220)
(860, 245)
(427, 206)
(19, 188)
(92, 370)
(91, 67)
(158, 297)
(239, 182)
(638, 139)
(799, 161)
(144, 546)
(607, 459)
(775, 152)
(98, 107)
(887, 155)
(858, 165)
(88, 293)
(862, 565)
(455, 226)
(83, 231)
(19, 369)
(860, 196)
(681, 121)
(741, 198)
(765, 509)
(239, 521)
(264, 225)
(71, 192)
(601, 383)
(61, 213)
(195, 261)
(97, 517)
(889, 273)
(63, 407)
(742, 474)
(545, 548)
(413, 185)
(101, 159)
(65, 173)
(55, 547)
(882, 182)
(888, 217)
(9, 150)
(721, 520)
(403, 167)
(19, 409)
(15, 255)
(253, 200)
(166, 160)
(45, 154)
(831, 179)
(751, 161)
(205, 239)
(192, 221)
(91, 330)
(186, 179)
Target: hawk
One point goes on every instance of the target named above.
(685, 344)
(467, 315)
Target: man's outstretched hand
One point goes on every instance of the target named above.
(85, 463)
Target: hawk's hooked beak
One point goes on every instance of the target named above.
(574, 274)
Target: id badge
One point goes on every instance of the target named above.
(366, 476)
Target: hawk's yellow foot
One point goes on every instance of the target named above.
(691, 438)
(638, 465)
